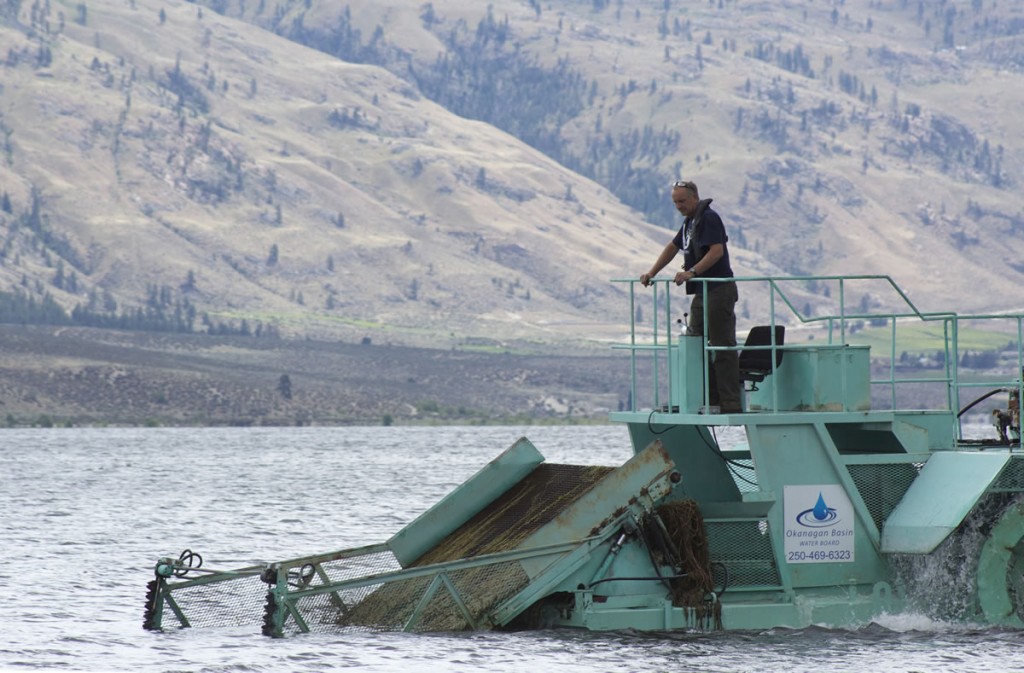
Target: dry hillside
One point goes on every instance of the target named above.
(451, 173)
(165, 150)
(160, 153)
(861, 136)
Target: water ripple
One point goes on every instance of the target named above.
(88, 511)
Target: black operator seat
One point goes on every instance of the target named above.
(756, 364)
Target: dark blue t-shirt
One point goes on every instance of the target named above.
(696, 237)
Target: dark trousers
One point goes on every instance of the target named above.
(724, 370)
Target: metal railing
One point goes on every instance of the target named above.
(363, 588)
(656, 337)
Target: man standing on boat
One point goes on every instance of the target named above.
(702, 239)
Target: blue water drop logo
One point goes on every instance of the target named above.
(819, 516)
(820, 508)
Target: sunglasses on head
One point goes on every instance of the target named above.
(685, 184)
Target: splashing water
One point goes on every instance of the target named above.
(942, 585)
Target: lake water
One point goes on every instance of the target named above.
(86, 513)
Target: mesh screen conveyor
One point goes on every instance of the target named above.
(519, 512)
(499, 527)
(501, 539)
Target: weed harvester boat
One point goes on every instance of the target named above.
(848, 500)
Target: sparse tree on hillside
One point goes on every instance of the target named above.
(428, 16)
(58, 277)
(109, 303)
(272, 257)
(284, 386)
(44, 57)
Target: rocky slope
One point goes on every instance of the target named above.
(75, 376)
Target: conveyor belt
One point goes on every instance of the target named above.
(501, 526)
(518, 513)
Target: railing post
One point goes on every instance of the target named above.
(632, 345)
(656, 402)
